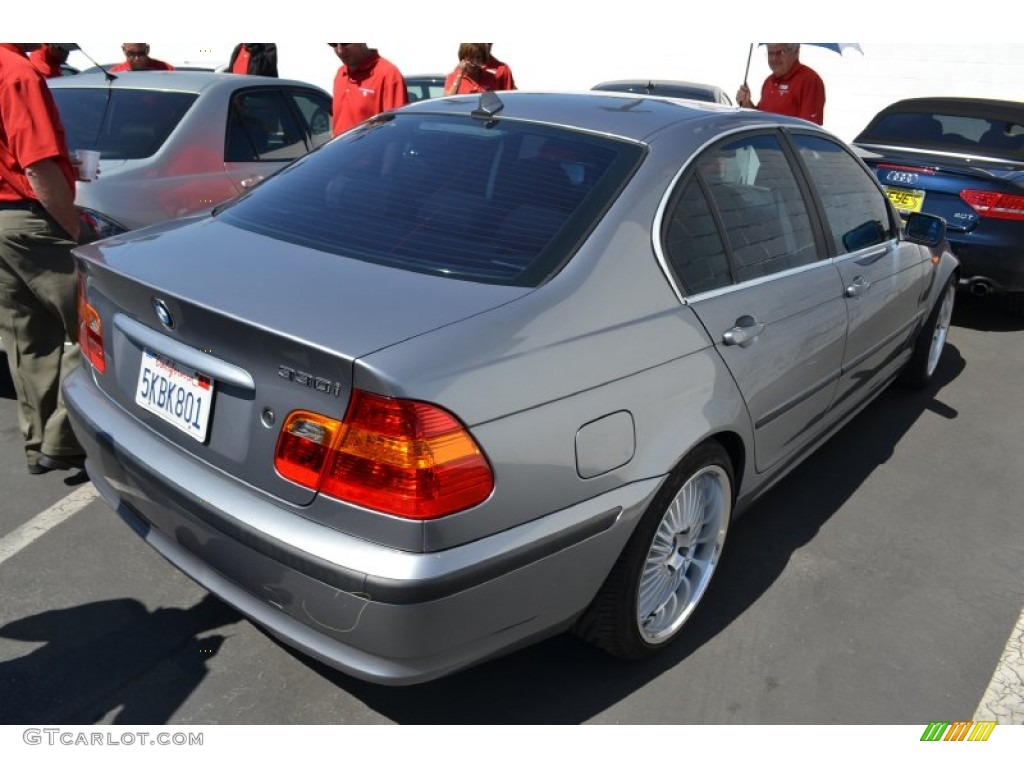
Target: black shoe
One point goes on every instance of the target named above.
(60, 462)
(37, 469)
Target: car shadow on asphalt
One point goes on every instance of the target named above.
(985, 313)
(109, 655)
(564, 681)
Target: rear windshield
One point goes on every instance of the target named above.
(963, 134)
(499, 201)
(122, 123)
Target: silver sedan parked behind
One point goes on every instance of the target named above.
(489, 368)
(177, 143)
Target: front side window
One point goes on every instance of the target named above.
(122, 123)
(856, 209)
(498, 201)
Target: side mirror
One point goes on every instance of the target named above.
(925, 229)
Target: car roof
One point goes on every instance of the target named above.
(189, 81)
(633, 116)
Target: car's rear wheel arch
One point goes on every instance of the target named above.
(678, 543)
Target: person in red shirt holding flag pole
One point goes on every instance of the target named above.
(792, 88)
(366, 85)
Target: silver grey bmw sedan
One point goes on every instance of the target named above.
(489, 368)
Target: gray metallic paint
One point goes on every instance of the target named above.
(140, 192)
(605, 341)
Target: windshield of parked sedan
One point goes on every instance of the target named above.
(490, 201)
(122, 123)
(960, 133)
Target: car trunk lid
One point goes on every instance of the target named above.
(268, 327)
(931, 182)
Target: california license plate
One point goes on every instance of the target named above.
(179, 396)
(906, 200)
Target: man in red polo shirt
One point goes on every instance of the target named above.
(365, 85)
(38, 287)
(137, 59)
(791, 89)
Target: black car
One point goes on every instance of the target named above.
(961, 159)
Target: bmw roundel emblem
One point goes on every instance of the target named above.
(163, 314)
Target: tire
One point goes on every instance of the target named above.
(930, 341)
(668, 562)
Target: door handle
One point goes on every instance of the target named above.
(250, 181)
(743, 334)
(857, 287)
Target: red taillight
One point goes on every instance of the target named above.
(90, 330)
(402, 457)
(994, 205)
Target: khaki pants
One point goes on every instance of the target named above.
(38, 313)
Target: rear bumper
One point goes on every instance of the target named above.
(988, 267)
(383, 615)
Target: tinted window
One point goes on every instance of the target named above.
(753, 188)
(857, 212)
(261, 126)
(123, 124)
(971, 134)
(693, 245)
(494, 202)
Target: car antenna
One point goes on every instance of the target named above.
(111, 77)
(489, 106)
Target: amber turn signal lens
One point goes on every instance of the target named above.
(400, 457)
(90, 330)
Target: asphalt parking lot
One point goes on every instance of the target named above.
(879, 583)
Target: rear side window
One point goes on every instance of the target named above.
(122, 123)
(960, 133)
(693, 245)
(500, 202)
(856, 209)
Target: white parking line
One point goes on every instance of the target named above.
(1004, 699)
(22, 536)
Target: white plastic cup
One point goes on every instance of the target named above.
(88, 163)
